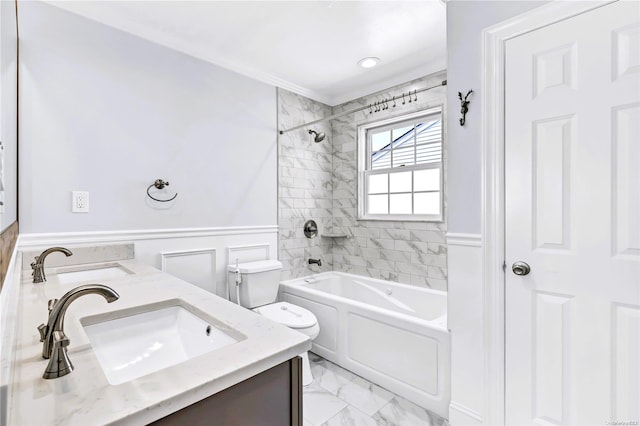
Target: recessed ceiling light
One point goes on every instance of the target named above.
(368, 62)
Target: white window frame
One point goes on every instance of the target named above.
(364, 156)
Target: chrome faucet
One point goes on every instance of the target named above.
(38, 264)
(316, 261)
(52, 334)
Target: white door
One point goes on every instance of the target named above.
(572, 213)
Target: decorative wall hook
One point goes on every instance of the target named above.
(464, 106)
(415, 96)
(394, 101)
(160, 184)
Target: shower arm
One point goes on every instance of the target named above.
(340, 114)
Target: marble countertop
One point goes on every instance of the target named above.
(85, 397)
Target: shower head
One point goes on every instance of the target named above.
(319, 137)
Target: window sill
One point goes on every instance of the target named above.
(401, 218)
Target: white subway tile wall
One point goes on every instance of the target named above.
(319, 181)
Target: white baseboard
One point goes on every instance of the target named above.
(459, 415)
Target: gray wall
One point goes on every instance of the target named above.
(106, 112)
(465, 22)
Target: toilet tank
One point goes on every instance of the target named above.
(260, 281)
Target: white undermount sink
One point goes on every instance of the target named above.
(102, 272)
(138, 341)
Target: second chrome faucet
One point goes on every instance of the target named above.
(38, 264)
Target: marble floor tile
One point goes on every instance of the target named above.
(319, 405)
(351, 416)
(338, 397)
(330, 376)
(314, 358)
(400, 412)
(365, 396)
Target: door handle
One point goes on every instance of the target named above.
(520, 268)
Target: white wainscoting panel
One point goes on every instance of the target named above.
(248, 253)
(465, 320)
(197, 267)
(150, 244)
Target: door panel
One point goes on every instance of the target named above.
(626, 172)
(572, 212)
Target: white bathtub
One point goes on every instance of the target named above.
(392, 334)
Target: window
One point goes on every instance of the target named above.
(400, 168)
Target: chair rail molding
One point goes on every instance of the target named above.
(28, 240)
(461, 239)
(492, 186)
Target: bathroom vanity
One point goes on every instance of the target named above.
(253, 378)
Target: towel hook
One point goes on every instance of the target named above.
(160, 184)
(464, 106)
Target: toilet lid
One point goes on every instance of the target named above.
(287, 314)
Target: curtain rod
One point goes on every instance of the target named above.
(340, 114)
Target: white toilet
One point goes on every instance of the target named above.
(258, 291)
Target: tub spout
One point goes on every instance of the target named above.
(315, 261)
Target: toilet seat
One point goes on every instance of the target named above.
(285, 313)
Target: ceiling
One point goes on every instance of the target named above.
(308, 47)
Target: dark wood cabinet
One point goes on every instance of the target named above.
(271, 398)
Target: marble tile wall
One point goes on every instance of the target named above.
(407, 252)
(305, 185)
(319, 181)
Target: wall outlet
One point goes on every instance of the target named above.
(80, 202)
